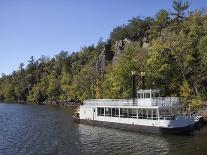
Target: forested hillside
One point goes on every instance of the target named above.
(169, 48)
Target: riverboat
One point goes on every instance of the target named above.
(147, 113)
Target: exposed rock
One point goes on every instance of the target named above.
(145, 44)
(101, 62)
(119, 46)
(105, 56)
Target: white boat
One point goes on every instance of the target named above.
(147, 113)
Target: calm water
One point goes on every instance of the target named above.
(34, 129)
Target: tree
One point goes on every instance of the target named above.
(83, 84)
(21, 67)
(53, 90)
(179, 7)
(203, 50)
(190, 101)
(169, 61)
(38, 93)
(119, 33)
(65, 84)
(175, 61)
(31, 65)
(9, 92)
(117, 83)
(162, 20)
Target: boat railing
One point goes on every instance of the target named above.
(165, 101)
(109, 102)
(158, 101)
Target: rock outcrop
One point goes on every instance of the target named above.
(145, 44)
(105, 56)
(119, 46)
(101, 62)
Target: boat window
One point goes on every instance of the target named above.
(154, 114)
(132, 113)
(139, 96)
(149, 114)
(100, 111)
(115, 112)
(142, 114)
(107, 111)
(124, 113)
(164, 114)
(147, 95)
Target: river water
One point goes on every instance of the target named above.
(36, 129)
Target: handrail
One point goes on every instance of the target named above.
(159, 101)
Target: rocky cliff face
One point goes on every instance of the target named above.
(106, 54)
(101, 61)
(119, 46)
(145, 43)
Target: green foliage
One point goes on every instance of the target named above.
(39, 91)
(117, 82)
(83, 86)
(162, 20)
(190, 101)
(119, 33)
(203, 50)
(53, 90)
(9, 93)
(136, 30)
(179, 7)
(175, 62)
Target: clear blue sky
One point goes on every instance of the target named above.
(45, 27)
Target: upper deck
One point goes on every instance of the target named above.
(145, 98)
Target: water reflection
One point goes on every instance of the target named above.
(194, 143)
(33, 129)
(100, 140)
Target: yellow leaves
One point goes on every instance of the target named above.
(196, 103)
(203, 49)
(163, 67)
(185, 90)
(191, 101)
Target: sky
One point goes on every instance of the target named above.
(45, 27)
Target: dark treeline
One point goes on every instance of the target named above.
(169, 49)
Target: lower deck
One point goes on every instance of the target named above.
(153, 117)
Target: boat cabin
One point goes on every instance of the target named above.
(152, 97)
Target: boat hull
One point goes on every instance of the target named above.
(140, 128)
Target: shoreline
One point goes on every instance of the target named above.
(67, 103)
